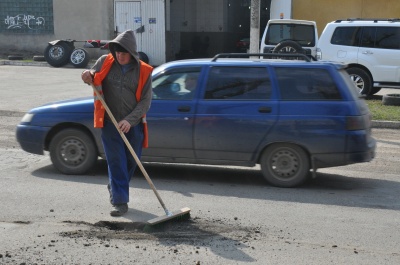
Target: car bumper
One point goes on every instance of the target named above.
(333, 160)
(32, 138)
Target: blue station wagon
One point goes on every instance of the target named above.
(290, 116)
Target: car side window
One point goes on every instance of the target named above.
(368, 37)
(238, 83)
(178, 84)
(387, 38)
(306, 84)
(347, 36)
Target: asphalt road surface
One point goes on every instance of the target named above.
(347, 215)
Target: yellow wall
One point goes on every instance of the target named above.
(325, 11)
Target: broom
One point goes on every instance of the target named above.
(183, 213)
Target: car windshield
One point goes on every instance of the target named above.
(303, 34)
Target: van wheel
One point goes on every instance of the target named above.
(361, 80)
(285, 165)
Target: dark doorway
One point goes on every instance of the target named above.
(235, 33)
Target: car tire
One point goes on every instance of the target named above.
(285, 165)
(79, 58)
(143, 57)
(58, 55)
(73, 152)
(375, 90)
(288, 46)
(361, 80)
(15, 57)
(39, 58)
(391, 99)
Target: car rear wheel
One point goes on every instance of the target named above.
(361, 80)
(285, 165)
(79, 58)
(58, 55)
(72, 152)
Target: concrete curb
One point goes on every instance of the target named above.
(375, 124)
(36, 63)
(22, 63)
(386, 124)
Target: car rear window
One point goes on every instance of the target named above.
(238, 83)
(302, 34)
(306, 84)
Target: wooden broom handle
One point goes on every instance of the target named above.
(138, 162)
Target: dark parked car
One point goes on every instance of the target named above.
(243, 45)
(288, 116)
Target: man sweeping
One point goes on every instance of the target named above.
(125, 84)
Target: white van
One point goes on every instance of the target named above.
(290, 36)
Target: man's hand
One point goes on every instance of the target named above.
(124, 126)
(87, 77)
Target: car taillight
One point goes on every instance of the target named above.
(354, 123)
(319, 54)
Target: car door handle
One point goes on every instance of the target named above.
(264, 109)
(184, 108)
(367, 52)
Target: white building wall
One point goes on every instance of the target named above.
(73, 19)
(281, 9)
(153, 38)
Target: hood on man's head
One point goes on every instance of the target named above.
(125, 42)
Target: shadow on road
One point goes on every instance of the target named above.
(326, 189)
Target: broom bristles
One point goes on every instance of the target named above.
(177, 214)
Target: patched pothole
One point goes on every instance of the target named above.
(196, 229)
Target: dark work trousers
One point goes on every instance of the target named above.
(121, 164)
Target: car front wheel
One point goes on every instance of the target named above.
(285, 165)
(72, 152)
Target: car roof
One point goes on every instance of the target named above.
(291, 21)
(367, 21)
(244, 62)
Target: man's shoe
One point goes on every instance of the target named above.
(119, 209)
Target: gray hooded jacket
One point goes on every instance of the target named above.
(120, 88)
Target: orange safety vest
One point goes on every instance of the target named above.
(99, 110)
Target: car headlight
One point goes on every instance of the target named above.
(27, 117)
